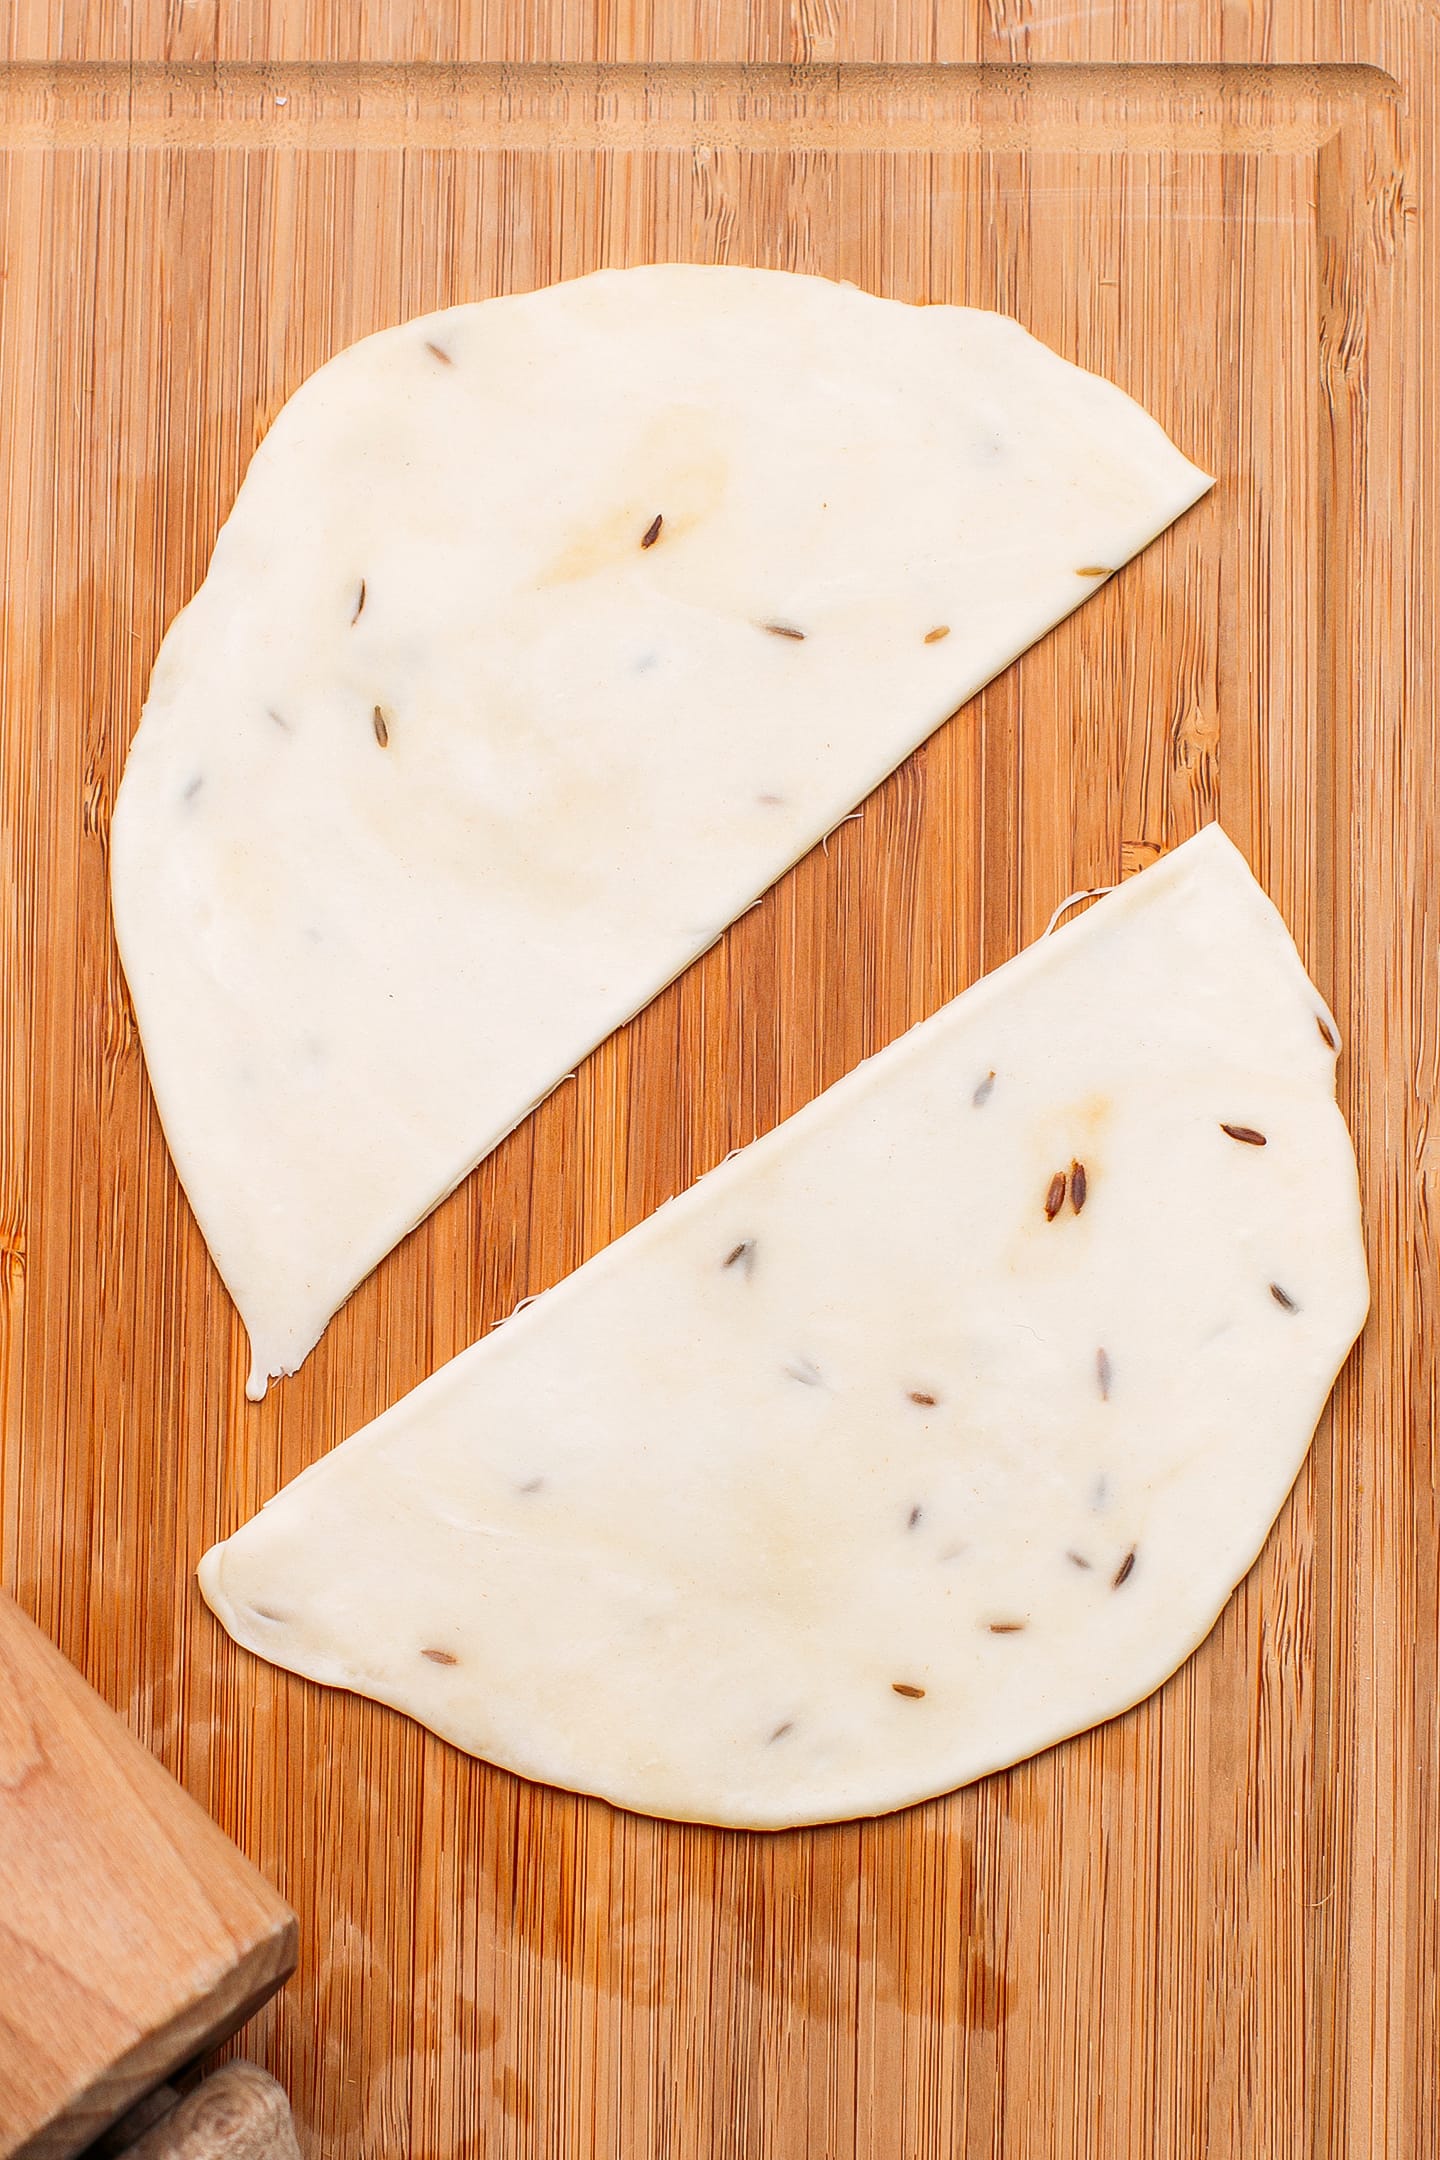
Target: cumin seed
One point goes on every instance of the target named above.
(918, 1395)
(780, 629)
(743, 1256)
(985, 1090)
(1079, 1186)
(1078, 1560)
(1283, 1297)
(1095, 570)
(439, 352)
(914, 1517)
(911, 1694)
(1247, 1133)
(1007, 1627)
(652, 531)
(1327, 1033)
(781, 1730)
(381, 727)
(359, 605)
(1125, 1570)
(1103, 1373)
(441, 1657)
(1055, 1196)
(933, 637)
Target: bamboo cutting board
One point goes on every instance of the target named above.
(1209, 1928)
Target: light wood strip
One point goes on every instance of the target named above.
(579, 105)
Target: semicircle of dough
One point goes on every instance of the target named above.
(935, 1426)
(444, 771)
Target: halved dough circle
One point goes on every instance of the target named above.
(444, 772)
(866, 1466)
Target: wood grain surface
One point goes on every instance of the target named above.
(1209, 1928)
(132, 1934)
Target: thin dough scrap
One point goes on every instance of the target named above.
(935, 1426)
(544, 634)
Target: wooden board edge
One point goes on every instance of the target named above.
(237, 1944)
